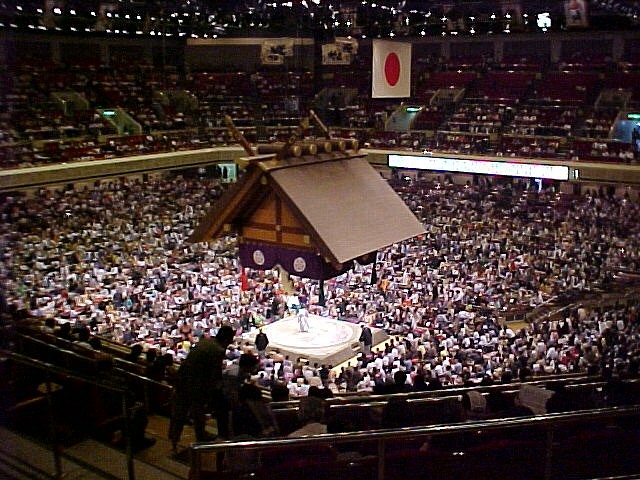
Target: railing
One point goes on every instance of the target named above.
(366, 397)
(603, 299)
(537, 436)
(56, 375)
(72, 357)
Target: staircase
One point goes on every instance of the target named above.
(401, 120)
(120, 120)
(22, 458)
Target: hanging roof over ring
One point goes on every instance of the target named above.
(333, 203)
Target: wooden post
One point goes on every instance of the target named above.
(321, 300)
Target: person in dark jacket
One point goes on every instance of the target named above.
(199, 386)
(262, 341)
(366, 339)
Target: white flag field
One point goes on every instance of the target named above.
(391, 70)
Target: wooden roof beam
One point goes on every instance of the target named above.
(237, 134)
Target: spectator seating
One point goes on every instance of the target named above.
(519, 63)
(476, 118)
(603, 151)
(566, 87)
(531, 146)
(628, 80)
(507, 87)
(542, 120)
(446, 79)
(596, 123)
(507, 102)
(429, 118)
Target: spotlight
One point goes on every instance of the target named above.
(544, 21)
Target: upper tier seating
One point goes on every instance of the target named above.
(503, 86)
(566, 87)
(268, 104)
(451, 79)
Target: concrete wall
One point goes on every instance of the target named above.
(97, 169)
(244, 53)
(590, 173)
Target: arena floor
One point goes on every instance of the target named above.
(328, 341)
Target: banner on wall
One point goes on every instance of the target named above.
(348, 45)
(391, 69)
(340, 52)
(274, 51)
(272, 59)
(332, 54)
(576, 14)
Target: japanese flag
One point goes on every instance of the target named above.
(391, 69)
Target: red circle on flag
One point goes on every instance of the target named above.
(392, 69)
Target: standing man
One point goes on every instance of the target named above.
(366, 339)
(199, 387)
(303, 319)
(276, 308)
(262, 341)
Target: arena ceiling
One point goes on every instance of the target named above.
(320, 19)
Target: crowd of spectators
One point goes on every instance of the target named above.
(605, 151)
(530, 146)
(50, 113)
(113, 257)
(476, 118)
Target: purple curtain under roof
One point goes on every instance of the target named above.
(302, 263)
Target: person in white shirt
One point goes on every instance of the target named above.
(364, 385)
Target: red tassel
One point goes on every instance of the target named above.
(244, 285)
